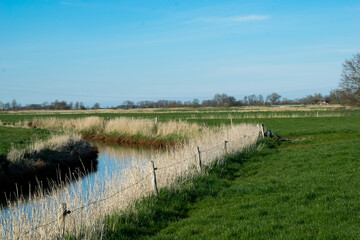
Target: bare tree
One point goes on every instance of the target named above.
(82, 106)
(77, 105)
(253, 100)
(96, 106)
(273, 99)
(14, 104)
(196, 102)
(350, 81)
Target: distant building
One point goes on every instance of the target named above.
(323, 103)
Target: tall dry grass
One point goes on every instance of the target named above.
(121, 126)
(256, 115)
(38, 220)
(332, 107)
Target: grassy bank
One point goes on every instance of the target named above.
(306, 188)
(16, 138)
(19, 137)
(28, 156)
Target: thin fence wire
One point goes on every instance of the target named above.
(171, 165)
(216, 147)
(87, 205)
(113, 195)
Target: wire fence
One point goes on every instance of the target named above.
(195, 158)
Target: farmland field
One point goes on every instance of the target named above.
(304, 186)
(300, 189)
(196, 114)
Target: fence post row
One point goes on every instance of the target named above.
(199, 167)
(62, 214)
(63, 211)
(225, 149)
(156, 192)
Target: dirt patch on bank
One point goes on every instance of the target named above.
(128, 141)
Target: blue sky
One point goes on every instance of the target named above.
(111, 51)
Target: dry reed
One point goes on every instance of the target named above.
(257, 115)
(145, 128)
(332, 107)
(116, 192)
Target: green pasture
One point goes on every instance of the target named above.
(302, 188)
(187, 114)
(18, 137)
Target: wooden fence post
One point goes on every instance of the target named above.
(62, 214)
(225, 149)
(155, 126)
(231, 122)
(261, 130)
(156, 192)
(199, 167)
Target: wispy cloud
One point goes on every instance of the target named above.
(232, 19)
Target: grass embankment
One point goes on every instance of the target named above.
(303, 189)
(17, 138)
(29, 156)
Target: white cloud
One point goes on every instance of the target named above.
(232, 19)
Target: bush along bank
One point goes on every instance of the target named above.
(28, 168)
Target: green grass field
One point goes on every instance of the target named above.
(18, 137)
(306, 188)
(200, 114)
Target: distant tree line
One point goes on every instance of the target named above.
(347, 94)
(56, 105)
(219, 100)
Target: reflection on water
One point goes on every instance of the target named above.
(112, 159)
(116, 158)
